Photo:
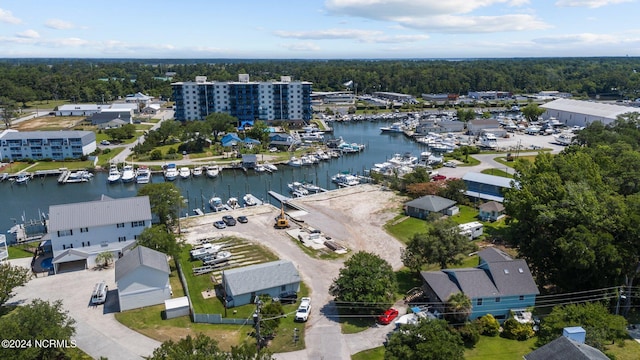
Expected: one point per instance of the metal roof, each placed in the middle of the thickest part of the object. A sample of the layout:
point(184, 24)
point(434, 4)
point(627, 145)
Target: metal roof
point(488, 179)
point(99, 213)
point(85, 136)
point(259, 277)
point(597, 109)
point(431, 203)
point(563, 348)
point(141, 256)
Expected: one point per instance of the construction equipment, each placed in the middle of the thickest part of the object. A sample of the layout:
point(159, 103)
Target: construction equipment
point(281, 220)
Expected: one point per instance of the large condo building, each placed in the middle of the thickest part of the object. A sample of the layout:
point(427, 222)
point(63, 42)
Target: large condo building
point(246, 100)
point(56, 145)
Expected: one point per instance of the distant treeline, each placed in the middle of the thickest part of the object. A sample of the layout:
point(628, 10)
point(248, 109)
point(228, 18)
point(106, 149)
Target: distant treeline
point(97, 80)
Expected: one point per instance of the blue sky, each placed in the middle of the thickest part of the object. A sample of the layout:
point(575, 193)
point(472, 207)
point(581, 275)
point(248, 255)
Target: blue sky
point(319, 29)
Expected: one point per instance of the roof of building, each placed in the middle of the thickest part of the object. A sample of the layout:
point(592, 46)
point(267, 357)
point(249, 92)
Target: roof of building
point(592, 108)
point(431, 203)
point(85, 136)
point(563, 348)
point(512, 277)
point(487, 179)
point(141, 256)
point(492, 206)
point(485, 122)
point(79, 107)
point(492, 254)
point(99, 213)
point(245, 280)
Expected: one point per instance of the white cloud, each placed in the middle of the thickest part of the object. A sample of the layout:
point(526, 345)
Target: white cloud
point(7, 17)
point(67, 42)
point(58, 24)
point(28, 34)
point(589, 3)
point(452, 16)
point(582, 39)
point(365, 36)
point(301, 46)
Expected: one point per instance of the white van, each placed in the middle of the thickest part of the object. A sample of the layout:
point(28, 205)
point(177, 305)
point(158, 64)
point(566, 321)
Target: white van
point(99, 295)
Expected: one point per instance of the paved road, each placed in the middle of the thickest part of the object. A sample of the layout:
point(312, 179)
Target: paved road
point(162, 115)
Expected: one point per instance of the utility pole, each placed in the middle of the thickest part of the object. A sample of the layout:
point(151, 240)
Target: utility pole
point(256, 319)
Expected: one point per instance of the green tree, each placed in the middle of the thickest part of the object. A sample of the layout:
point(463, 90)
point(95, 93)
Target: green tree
point(158, 238)
point(259, 131)
point(418, 175)
point(39, 320)
point(454, 189)
point(11, 277)
point(366, 282)
point(458, 307)
point(441, 244)
point(167, 129)
point(601, 326)
point(488, 325)
point(202, 347)
point(465, 115)
point(219, 122)
point(165, 200)
point(532, 111)
point(8, 111)
point(427, 340)
point(105, 258)
point(270, 316)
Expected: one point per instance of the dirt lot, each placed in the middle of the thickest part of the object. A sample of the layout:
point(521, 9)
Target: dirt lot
point(48, 123)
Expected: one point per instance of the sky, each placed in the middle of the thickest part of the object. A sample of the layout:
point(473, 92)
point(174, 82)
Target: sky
point(318, 29)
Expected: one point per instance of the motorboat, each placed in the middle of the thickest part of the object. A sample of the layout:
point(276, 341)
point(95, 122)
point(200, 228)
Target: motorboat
point(143, 175)
point(259, 168)
point(306, 160)
point(396, 127)
point(294, 161)
point(233, 203)
point(79, 176)
point(251, 200)
point(197, 171)
point(270, 166)
point(310, 187)
point(128, 174)
point(23, 178)
point(114, 174)
point(212, 170)
point(216, 204)
point(489, 141)
point(170, 172)
point(343, 179)
point(565, 138)
point(184, 172)
point(297, 187)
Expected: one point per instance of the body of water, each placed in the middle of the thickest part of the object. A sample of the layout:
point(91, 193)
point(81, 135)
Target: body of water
point(27, 202)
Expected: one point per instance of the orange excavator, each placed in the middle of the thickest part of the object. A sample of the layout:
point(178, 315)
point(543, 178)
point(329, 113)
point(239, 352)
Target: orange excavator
point(281, 220)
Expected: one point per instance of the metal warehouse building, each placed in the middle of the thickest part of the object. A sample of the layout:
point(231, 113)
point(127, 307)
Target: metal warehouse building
point(582, 113)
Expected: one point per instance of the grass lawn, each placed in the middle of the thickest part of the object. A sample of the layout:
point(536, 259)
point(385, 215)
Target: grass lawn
point(497, 172)
point(371, 354)
point(497, 348)
point(627, 350)
point(18, 252)
point(467, 214)
point(404, 227)
point(54, 165)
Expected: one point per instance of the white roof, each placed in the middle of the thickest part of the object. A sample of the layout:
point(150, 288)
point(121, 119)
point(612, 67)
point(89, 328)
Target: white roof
point(176, 303)
point(598, 109)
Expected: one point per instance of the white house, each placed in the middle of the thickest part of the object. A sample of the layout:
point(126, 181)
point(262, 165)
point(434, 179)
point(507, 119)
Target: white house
point(79, 109)
point(242, 285)
point(142, 276)
point(56, 145)
point(80, 231)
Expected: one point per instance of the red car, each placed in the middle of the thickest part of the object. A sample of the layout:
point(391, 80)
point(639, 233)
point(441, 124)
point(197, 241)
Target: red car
point(388, 316)
point(439, 177)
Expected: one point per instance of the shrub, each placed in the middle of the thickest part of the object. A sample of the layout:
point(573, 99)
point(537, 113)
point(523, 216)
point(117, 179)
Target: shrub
point(488, 325)
point(470, 334)
point(511, 329)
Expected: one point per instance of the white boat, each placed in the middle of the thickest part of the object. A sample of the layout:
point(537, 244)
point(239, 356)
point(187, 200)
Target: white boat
point(564, 138)
point(397, 127)
point(259, 168)
point(128, 174)
point(322, 155)
point(184, 172)
point(270, 166)
point(298, 193)
point(489, 141)
point(212, 170)
point(114, 174)
point(311, 188)
point(197, 171)
point(306, 160)
point(251, 200)
point(233, 203)
point(345, 179)
point(294, 161)
point(79, 176)
point(297, 187)
point(143, 175)
point(170, 172)
point(216, 204)
point(23, 178)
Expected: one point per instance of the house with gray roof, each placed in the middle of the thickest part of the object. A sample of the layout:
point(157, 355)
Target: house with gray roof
point(564, 348)
point(81, 231)
point(486, 187)
point(497, 286)
point(491, 211)
point(242, 285)
point(423, 206)
point(56, 145)
point(108, 116)
point(142, 276)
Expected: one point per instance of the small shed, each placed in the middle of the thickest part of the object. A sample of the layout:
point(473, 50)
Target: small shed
point(177, 307)
point(142, 276)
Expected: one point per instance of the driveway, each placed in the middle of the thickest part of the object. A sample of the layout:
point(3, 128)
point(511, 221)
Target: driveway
point(98, 333)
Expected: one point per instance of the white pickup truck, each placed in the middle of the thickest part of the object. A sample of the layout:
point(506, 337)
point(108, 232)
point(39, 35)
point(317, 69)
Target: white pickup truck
point(302, 314)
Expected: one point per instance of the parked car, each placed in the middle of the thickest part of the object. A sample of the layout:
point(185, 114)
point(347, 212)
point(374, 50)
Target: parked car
point(287, 297)
point(242, 219)
point(439, 177)
point(302, 314)
point(229, 220)
point(105, 142)
point(450, 164)
point(220, 224)
point(388, 316)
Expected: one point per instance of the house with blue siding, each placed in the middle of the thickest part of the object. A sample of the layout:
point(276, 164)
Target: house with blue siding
point(242, 285)
point(487, 187)
point(497, 286)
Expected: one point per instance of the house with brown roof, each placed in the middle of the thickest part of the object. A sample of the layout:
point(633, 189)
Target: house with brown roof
point(491, 211)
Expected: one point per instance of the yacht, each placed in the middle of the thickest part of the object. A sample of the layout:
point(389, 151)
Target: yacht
point(259, 168)
point(197, 171)
point(397, 127)
point(114, 174)
point(564, 138)
point(170, 172)
point(270, 166)
point(184, 172)
point(216, 204)
point(294, 161)
point(212, 170)
point(489, 141)
point(143, 175)
point(23, 178)
point(345, 179)
point(233, 203)
point(128, 174)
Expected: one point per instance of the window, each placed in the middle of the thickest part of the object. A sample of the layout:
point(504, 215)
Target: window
point(121, 225)
point(521, 298)
point(283, 288)
point(62, 233)
point(497, 299)
point(137, 223)
point(479, 302)
point(122, 238)
point(84, 230)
